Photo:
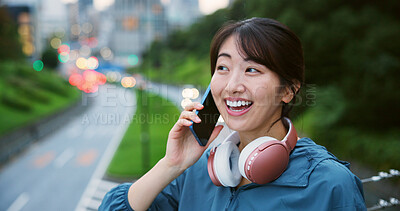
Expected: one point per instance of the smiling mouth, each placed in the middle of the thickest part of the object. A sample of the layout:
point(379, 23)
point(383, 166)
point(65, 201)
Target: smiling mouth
point(238, 106)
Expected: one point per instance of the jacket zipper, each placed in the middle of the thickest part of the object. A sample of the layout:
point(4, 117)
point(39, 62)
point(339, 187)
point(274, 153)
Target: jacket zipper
point(234, 194)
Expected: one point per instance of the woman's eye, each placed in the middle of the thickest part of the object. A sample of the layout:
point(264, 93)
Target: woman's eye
point(252, 70)
point(222, 68)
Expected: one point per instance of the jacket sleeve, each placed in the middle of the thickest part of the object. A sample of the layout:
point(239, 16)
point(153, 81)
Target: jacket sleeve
point(168, 199)
point(116, 199)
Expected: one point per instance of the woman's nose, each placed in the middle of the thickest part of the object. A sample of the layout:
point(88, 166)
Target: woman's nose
point(235, 84)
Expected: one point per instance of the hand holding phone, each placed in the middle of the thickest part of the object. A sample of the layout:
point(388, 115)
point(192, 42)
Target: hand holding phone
point(209, 116)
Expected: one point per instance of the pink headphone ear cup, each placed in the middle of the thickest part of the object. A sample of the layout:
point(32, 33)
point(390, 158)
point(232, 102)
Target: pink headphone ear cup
point(210, 168)
point(248, 150)
point(226, 164)
point(265, 160)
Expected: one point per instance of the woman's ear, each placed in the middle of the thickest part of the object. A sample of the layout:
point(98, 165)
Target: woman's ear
point(291, 91)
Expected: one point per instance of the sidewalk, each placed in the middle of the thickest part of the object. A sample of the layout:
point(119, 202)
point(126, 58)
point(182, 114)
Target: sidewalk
point(99, 185)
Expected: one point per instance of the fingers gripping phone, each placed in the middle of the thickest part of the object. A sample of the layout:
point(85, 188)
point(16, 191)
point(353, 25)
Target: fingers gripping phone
point(209, 116)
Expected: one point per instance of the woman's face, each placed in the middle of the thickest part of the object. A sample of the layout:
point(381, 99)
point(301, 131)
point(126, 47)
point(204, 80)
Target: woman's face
point(247, 94)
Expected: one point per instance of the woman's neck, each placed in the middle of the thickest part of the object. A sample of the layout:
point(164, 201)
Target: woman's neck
point(278, 131)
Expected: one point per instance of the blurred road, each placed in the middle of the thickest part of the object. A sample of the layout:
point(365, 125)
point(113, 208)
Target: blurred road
point(54, 173)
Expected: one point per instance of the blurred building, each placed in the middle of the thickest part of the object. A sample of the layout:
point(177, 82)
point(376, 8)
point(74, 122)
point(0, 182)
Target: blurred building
point(37, 21)
point(181, 13)
point(136, 24)
point(121, 33)
point(84, 7)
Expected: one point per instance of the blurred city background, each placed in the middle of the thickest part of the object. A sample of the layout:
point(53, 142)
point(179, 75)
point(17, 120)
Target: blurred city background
point(89, 89)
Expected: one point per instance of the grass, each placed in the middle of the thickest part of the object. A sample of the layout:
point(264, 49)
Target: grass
point(27, 95)
point(160, 116)
point(13, 118)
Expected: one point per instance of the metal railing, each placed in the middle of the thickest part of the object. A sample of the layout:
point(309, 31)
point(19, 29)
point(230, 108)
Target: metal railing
point(382, 203)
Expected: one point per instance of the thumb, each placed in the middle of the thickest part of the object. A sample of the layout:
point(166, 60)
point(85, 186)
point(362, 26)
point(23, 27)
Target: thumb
point(214, 134)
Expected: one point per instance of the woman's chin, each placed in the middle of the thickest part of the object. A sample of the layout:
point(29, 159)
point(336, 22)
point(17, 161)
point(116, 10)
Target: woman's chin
point(238, 126)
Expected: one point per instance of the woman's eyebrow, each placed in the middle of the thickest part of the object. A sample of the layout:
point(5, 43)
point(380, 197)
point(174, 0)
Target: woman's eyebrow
point(247, 59)
point(224, 54)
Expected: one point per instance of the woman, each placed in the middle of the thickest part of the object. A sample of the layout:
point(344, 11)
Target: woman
point(257, 69)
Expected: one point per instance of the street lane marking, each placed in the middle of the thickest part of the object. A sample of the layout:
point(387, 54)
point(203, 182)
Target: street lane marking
point(64, 157)
point(87, 158)
point(44, 159)
point(19, 203)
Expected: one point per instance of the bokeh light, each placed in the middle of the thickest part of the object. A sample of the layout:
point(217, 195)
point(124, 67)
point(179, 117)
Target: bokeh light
point(81, 63)
point(87, 28)
point(133, 59)
point(28, 48)
point(185, 102)
point(195, 93)
point(93, 42)
point(128, 82)
point(75, 79)
point(82, 39)
point(106, 53)
point(101, 78)
point(191, 93)
point(88, 81)
point(55, 43)
point(73, 55)
point(85, 50)
point(88, 87)
point(186, 93)
point(63, 57)
point(38, 65)
point(90, 76)
point(64, 48)
point(113, 76)
point(24, 30)
point(130, 23)
point(92, 63)
point(75, 29)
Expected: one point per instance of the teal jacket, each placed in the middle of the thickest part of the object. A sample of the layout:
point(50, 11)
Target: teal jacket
point(314, 180)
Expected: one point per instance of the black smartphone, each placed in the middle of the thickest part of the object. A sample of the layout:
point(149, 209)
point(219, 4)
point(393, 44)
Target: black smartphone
point(209, 116)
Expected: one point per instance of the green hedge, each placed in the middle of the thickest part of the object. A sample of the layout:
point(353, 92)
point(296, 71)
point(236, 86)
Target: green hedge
point(27, 95)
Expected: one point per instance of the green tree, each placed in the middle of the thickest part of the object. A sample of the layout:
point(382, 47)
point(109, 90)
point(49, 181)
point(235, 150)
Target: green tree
point(9, 43)
point(50, 58)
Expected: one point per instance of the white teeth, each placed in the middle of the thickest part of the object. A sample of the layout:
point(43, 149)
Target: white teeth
point(237, 110)
point(238, 103)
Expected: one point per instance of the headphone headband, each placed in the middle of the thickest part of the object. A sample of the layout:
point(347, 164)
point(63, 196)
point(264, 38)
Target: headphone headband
point(290, 139)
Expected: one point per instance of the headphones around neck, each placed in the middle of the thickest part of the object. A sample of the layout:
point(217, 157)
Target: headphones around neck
point(261, 161)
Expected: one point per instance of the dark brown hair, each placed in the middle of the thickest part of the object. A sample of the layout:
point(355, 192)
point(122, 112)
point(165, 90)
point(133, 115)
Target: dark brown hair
point(267, 42)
